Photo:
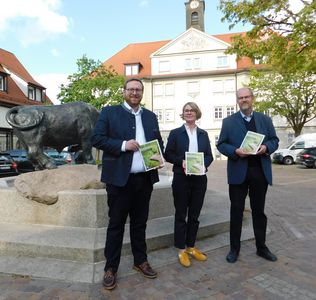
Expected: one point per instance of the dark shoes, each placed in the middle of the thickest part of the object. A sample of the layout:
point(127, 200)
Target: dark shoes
point(232, 256)
point(109, 279)
point(266, 254)
point(146, 270)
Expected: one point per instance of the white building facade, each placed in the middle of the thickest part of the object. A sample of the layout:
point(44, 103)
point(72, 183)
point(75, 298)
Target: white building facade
point(192, 67)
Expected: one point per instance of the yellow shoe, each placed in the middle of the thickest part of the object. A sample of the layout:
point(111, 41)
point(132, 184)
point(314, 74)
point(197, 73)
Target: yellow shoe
point(184, 259)
point(197, 254)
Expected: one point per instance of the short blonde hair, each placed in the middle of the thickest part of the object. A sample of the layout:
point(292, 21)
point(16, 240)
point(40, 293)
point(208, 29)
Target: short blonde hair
point(194, 107)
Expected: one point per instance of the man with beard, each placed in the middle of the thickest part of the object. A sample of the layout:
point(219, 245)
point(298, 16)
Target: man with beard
point(119, 132)
point(247, 174)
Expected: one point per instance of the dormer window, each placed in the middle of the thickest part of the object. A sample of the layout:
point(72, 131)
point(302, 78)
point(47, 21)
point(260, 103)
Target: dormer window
point(35, 93)
point(31, 93)
point(3, 79)
point(132, 69)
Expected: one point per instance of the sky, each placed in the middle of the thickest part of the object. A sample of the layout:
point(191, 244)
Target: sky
point(49, 36)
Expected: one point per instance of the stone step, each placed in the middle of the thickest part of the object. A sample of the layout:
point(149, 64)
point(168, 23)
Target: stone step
point(159, 231)
point(79, 271)
point(87, 244)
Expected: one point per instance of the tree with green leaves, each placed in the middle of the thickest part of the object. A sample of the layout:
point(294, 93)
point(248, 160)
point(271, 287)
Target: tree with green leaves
point(291, 96)
point(283, 39)
point(282, 36)
point(93, 83)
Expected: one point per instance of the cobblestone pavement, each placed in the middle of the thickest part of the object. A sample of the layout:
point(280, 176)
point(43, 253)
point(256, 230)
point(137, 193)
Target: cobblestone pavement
point(291, 212)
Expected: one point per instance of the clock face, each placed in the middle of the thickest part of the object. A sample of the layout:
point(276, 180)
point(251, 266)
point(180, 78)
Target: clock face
point(194, 4)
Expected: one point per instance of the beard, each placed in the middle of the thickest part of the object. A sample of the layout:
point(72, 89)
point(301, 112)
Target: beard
point(245, 107)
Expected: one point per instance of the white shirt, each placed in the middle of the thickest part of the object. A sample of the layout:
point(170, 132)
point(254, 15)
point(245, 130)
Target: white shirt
point(193, 143)
point(137, 163)
point(247, 118)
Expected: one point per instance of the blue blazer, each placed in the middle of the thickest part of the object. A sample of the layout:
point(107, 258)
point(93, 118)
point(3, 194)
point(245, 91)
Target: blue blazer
point(178, 144)
point(232, 134)
point(115, 125)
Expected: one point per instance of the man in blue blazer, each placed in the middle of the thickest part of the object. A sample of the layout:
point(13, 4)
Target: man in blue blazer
point(119, 132)
point(247, 174)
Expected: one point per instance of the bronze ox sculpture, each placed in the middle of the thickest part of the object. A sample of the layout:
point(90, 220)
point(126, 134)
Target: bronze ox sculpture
point(56, 126)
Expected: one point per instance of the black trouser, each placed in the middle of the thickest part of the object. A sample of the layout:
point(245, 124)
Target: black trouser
point(256, 185)
point(188, 195)
point(133, 200)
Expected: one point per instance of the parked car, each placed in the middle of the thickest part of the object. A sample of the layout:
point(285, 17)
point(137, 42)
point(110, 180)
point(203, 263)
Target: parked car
point(287, 156)
point(20, 157)
point(307, 157)
point(7, 166)
point(60, 158)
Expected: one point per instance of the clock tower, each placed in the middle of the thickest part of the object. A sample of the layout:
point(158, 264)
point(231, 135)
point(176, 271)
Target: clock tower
point(195, 14)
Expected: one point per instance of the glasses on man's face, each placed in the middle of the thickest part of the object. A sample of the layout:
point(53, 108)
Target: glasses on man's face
point(132, 91)
point(244, 97)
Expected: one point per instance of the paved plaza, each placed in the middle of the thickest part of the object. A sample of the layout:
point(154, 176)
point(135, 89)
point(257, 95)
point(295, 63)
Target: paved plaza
point(291, 211)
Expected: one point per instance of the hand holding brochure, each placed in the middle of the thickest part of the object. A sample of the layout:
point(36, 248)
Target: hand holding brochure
point(194, 163)
point(252, 142)
point(151, 155)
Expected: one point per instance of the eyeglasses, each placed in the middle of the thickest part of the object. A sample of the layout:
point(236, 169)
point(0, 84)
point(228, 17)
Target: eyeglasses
point(132, 91)
point(244, 97)
point(189, 111)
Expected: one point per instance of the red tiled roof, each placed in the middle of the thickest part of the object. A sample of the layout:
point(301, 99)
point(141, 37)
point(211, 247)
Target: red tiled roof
point(140, 53)
point(14, 95)
point(135, 53)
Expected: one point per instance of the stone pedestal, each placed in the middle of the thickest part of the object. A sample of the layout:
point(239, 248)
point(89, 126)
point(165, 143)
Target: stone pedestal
point(65, 240)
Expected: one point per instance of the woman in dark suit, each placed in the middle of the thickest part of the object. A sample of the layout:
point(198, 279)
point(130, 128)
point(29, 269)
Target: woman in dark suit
point(188, 190)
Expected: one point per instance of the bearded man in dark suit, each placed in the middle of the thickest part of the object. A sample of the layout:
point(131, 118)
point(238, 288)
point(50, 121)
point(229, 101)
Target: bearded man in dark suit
point(119, 132)
point(247, 174)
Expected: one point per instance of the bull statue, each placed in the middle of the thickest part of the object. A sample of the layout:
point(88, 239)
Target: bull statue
point(56, 126)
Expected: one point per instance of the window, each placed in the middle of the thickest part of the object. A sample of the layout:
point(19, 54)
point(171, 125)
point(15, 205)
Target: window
point(164, 66)
point(31, 93)
point(230, 110)
point(158, 90)
point(2, 86)
point(131, 69)
point(222, 61)
point(261, 60)
point(169, 89)
point(192, 63)
point(224, 86)
point(159, 114)
point(169, 115)
point(187, 64)
point(218, 113)
point(218, 86)
point(195, 18)
point(229, 86)
point(298, 145)
point(193, 87)
point(196, 63)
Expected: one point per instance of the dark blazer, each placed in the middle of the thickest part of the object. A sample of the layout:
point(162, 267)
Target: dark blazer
point(116, 124)
point(178, 144)
point(231, 136)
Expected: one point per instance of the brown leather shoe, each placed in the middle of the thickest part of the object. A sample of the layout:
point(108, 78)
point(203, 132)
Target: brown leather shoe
point(109, 279)
point(146, 270)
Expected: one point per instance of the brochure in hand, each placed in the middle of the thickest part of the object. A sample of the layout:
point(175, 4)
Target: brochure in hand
point(194, 163)
point(151, 155)
point(252, 141)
